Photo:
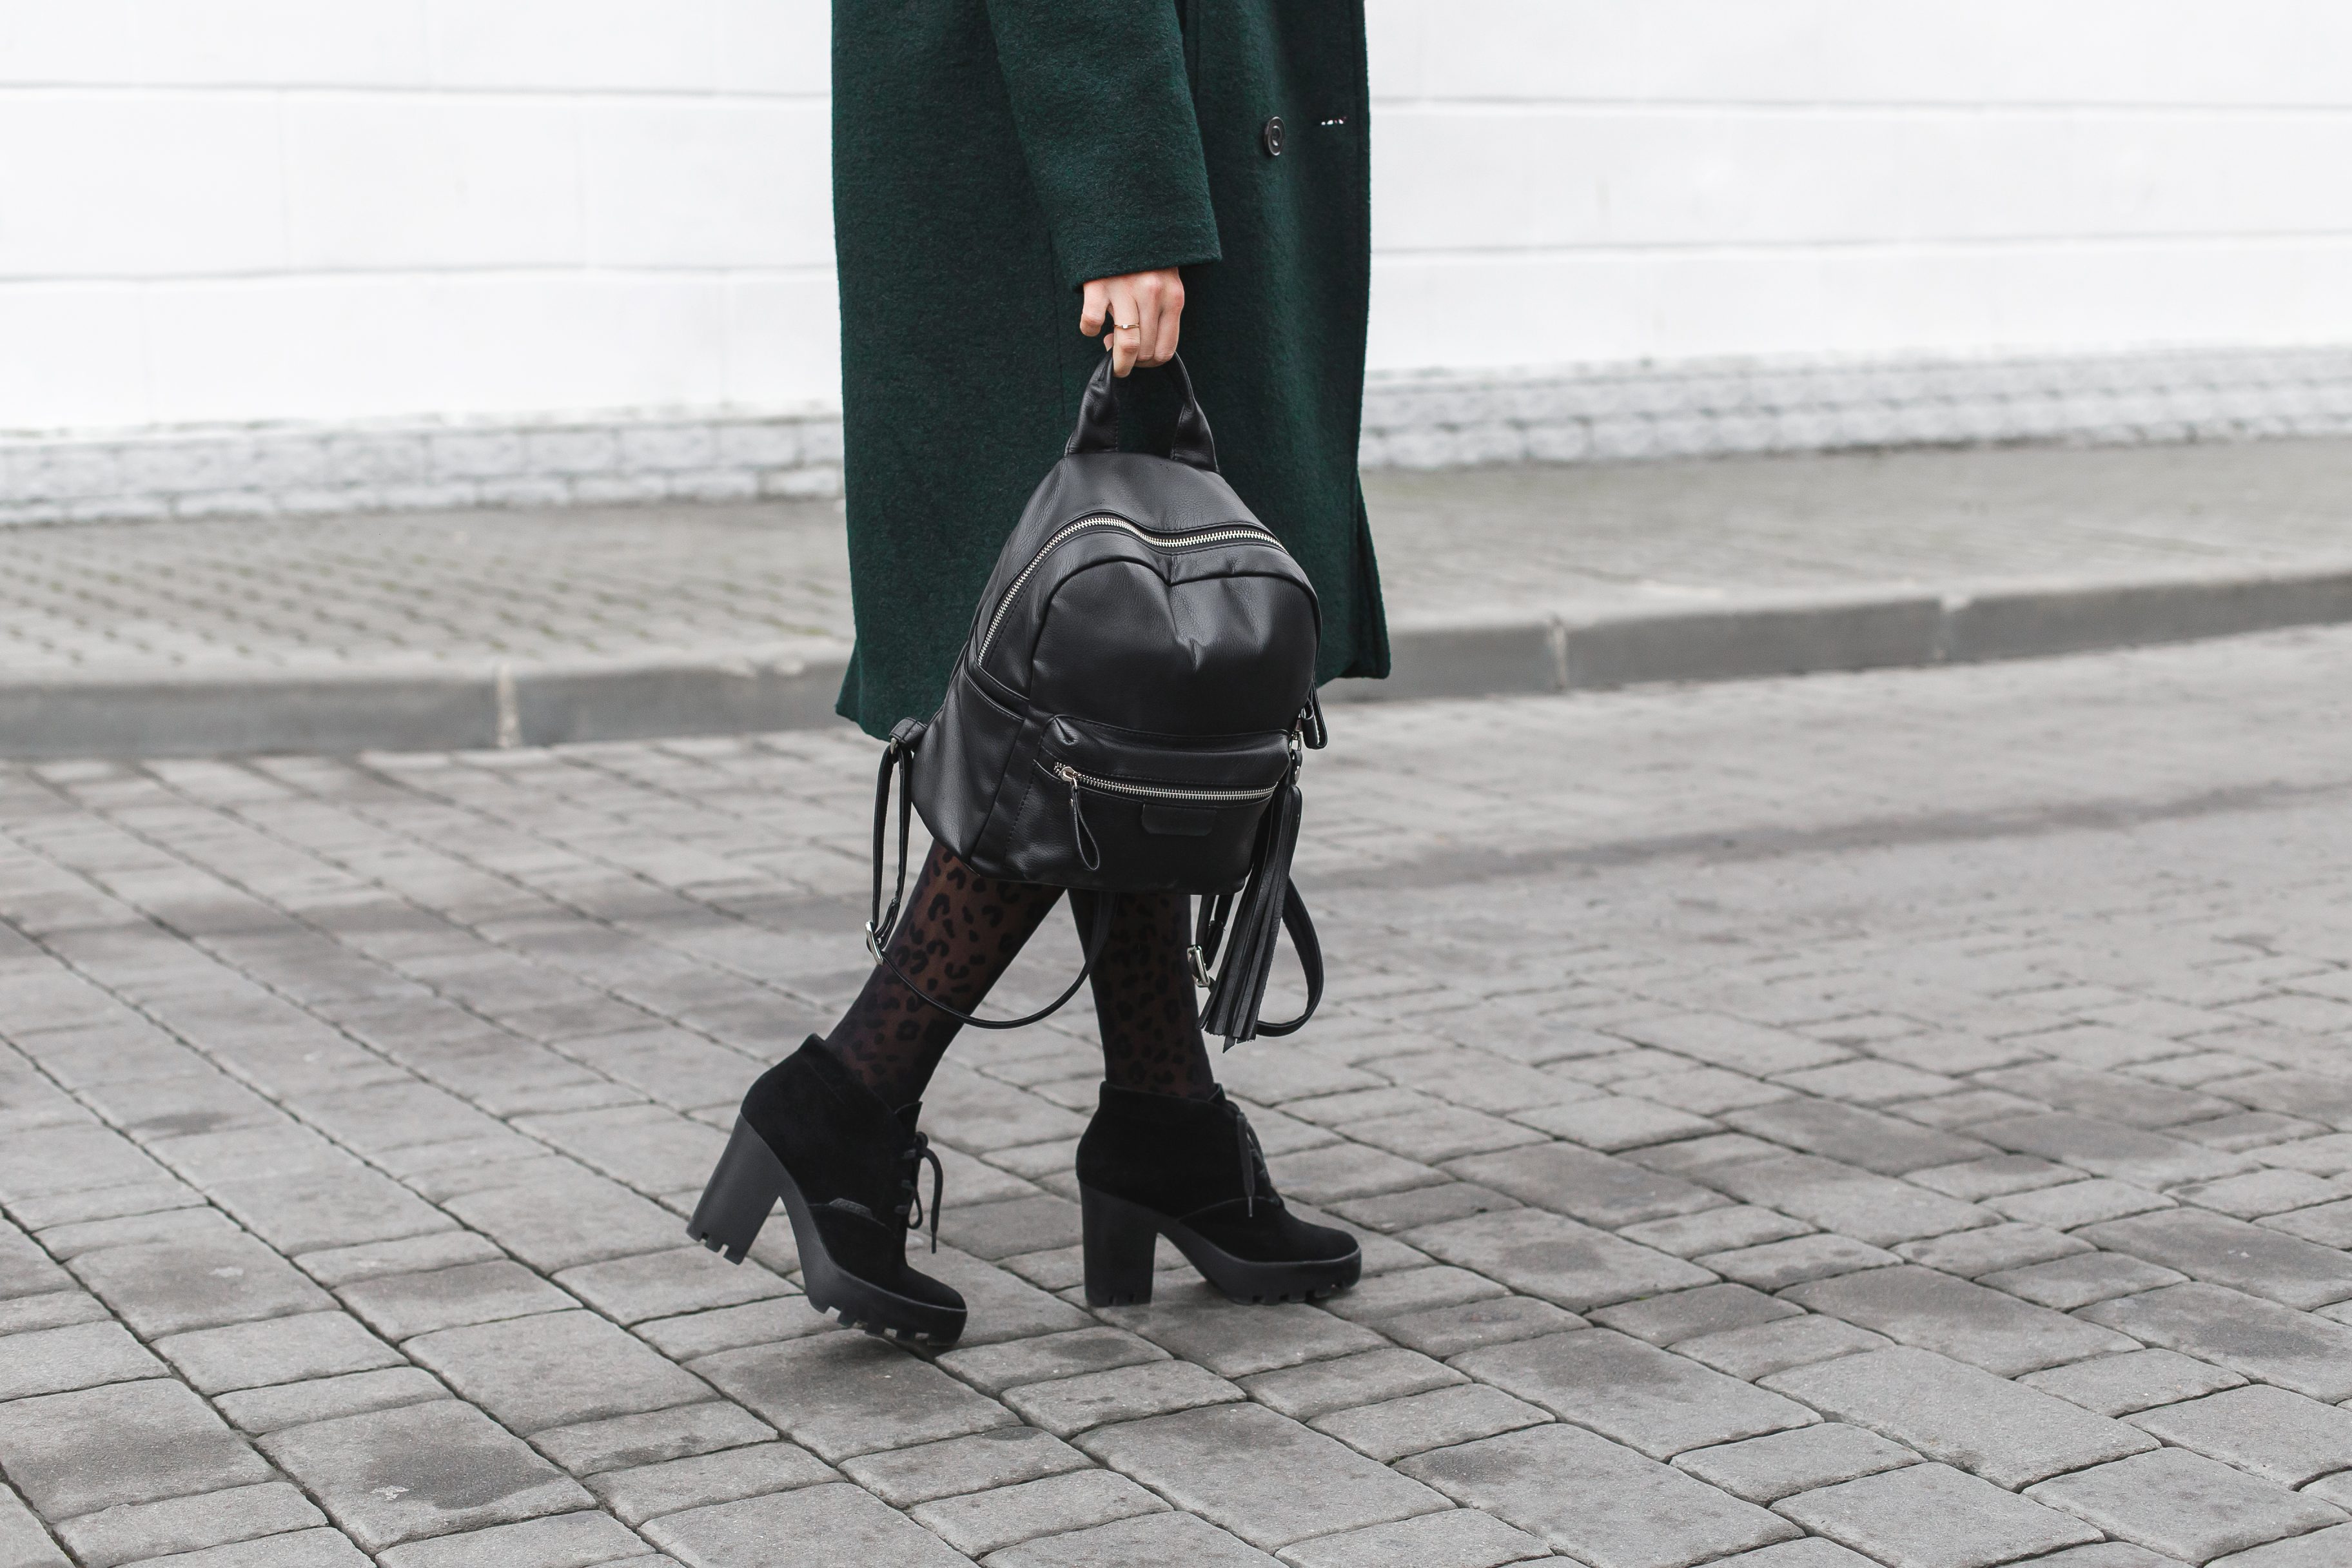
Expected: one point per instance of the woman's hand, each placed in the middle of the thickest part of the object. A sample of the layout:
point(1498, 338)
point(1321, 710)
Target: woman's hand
point(1142, 311)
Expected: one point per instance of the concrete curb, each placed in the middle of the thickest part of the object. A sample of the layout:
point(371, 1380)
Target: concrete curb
point(179, 715)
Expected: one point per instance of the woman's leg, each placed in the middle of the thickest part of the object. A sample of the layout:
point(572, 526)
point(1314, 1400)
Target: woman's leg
point(1144, 1003)
point(960, 931)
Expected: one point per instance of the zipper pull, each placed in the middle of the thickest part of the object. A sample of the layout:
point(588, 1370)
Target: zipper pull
point(1089, 852)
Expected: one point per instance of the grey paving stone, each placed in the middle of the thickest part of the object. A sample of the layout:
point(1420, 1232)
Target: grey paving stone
point(336, 1266)
point(1702, 1091)
point(274, 1351)
point(981, 1522)
point(664, 1284)
point(1440, 1133)
point(259, 1410)
point(2110, 1149)
point(1727, 1229)
point(841, 1395)
point(1765, 1348)
point(1070, 1406)
point(2106, 1555)
point(2109, 1096)
point(2329, 1225)
point(52, 1310)
point(1651, 1400)
point(2080, 1279)
point(1867, 1082)
point(2246, 1333)
point(2224, 1251)
point(1595, 1188)
point(1811, 1553)
point(401, 1306)
point(621, 1442)
point(1779, 1264)
point(2184, 1505)
point(1320, 1387)
point(992, 1369)
point(1853, 1136)
point(1544, 1255)
point(2136, 1380)
point(1264, 1477)
point(126, 1443)
point(1001, 1306)
point(1148, 1540)
point(178, 1223)
point(1392, 1211)
point(1686, 1314)
point(812, 1527)
point(1931, 1516)
point(1020, 1225)
point(1973, 1253)
point(1458, 1538)
point(1966, 1322)
point(1730, 1043)
point(555, 1370)
point(1394, 1429)
point(2259, 1192)
point(734, 1327)
point(2327, 1156)
point(1996, 1176)
point(1392, 1295)
point(39, 1161)
point(1000, 1457)
point(129, 1532)
point(54, 1360)
point(323, 1548)
point(2268, 1432)
point(1780, 1464)
point(346, 1204)
point(2321, 1549)
point(1544, 1481)
point(1616, 1123)
point(1870, 1208)
point(1444, 1331)
point(559, 1221)
point(1338, 1171)
point(2079, 1203)
point(24, 1544)
point(2008, 1434)
point(582, 1540)
point(229, 1279)
point(390, 1476)
point(1202, 1326)
point(672, 1486)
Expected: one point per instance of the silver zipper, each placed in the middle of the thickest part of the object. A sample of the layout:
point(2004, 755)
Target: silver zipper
point(1201, 536)
point(1075, 779)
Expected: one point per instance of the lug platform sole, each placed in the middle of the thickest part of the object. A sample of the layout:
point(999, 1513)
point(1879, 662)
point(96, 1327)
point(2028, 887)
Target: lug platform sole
point(1120, 1238)
point(741, 1193)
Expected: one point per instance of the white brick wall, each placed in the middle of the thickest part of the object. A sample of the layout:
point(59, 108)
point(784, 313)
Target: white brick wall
point(220, 212)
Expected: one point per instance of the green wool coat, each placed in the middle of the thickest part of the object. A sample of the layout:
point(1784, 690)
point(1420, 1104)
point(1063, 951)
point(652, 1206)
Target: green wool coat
point(990, 157)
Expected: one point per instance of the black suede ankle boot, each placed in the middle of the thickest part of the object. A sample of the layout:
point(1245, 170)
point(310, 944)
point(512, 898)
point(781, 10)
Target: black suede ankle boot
point(1190, 1170)
point(845, 1166)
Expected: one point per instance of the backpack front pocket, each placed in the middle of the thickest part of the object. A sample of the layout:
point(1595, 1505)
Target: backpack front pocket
point(1162, 812)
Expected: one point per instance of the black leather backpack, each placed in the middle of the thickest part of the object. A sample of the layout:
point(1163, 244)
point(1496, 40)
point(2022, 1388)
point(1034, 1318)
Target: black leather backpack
point(1129, 710)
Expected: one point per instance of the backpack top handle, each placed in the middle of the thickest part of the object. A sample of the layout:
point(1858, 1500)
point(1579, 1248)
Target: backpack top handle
point(1098, 428)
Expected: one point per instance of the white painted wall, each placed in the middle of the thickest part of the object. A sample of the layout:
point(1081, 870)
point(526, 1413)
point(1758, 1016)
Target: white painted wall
point(331, 210)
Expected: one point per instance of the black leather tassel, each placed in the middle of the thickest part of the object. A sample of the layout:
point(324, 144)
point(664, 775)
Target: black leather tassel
point(1256, 926)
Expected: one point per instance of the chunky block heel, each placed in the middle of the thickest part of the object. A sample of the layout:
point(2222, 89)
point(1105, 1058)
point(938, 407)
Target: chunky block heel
point(742, 1191)
point(1120, 1238)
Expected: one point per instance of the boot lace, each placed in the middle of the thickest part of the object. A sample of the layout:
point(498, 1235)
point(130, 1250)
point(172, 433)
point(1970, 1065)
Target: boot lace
point(1254, 1175)
point(912, 1210)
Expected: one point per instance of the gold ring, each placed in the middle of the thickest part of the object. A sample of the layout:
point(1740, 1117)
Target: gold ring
point(1125, 327)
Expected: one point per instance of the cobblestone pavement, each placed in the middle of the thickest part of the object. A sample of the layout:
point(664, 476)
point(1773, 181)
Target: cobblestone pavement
point(459, 589)
point(1899, 1119)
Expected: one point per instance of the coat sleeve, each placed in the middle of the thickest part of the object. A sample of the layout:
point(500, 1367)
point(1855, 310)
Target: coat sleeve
point(1104, 109)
